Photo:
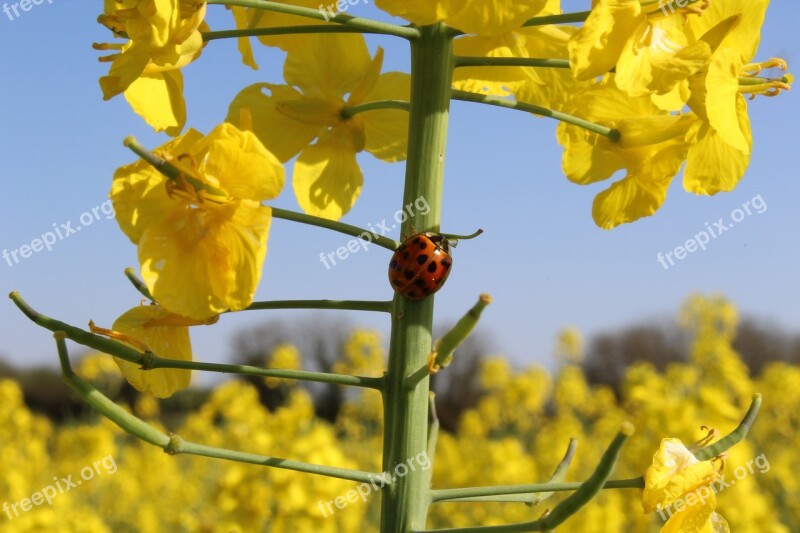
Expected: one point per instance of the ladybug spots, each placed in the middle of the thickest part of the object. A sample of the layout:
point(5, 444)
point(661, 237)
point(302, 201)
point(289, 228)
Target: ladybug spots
point(414, 270)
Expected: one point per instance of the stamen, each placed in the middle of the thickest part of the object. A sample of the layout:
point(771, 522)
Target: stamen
point(110, 333)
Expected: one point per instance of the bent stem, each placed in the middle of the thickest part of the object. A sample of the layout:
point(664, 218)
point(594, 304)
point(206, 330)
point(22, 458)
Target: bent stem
point(148, 360)
point(173, 444)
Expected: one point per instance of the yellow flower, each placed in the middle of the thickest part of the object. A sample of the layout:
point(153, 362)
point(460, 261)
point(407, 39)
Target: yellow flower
point(652, 149)
point(202, 238)
point(641, 40)
point(722, 139)
point(153, 328)
point(326, 178)
point(163, 36)
point(483, 17)
point(680, 487)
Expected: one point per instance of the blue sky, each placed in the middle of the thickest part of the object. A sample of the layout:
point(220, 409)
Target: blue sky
point(542, 258)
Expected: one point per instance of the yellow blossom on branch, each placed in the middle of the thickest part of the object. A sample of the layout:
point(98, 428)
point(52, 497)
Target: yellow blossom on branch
point(162, 36)
point(203, 237)
point(326, 77)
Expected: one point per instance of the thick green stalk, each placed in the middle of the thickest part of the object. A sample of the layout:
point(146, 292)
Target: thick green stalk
point(406, 407)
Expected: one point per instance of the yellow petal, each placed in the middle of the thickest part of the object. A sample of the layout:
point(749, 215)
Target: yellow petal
point(675, 471)
point(328, 66)
point(241, 164)
point(280, 134)
point(158, 99)
point(713, 164)
point(693, 518)
point(722, 86)
point(747, 34)
point(628, 200)
point(201, 262)
point(595, 48)
point(421, 12)
point(139, 193)
point(498, 81)
point(327, 179)
point(657, 57)
point(240, 16)
point(386, 130)
point(166, 341)
point(493, 17)
point(258, 18)
point(125, 69)
point(582, 162)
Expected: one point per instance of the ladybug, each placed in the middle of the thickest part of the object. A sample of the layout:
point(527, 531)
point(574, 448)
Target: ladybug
point(420, 265)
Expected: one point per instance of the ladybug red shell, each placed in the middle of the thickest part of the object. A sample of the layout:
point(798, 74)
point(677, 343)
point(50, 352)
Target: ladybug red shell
point(420, 266)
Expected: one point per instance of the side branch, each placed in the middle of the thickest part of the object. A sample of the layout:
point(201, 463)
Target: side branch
point(465, 96)
point(482, 61)
point(149, 360)
point(173, 444)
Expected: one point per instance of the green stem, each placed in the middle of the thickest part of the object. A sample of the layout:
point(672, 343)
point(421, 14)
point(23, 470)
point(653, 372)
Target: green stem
point(735, 436)
point(150, 360)
point(406, 32)
point(482, 61)
point(565, 18)
point(405, 503)
point(288, 30)
point(349, 112)
point(138, 284)
point(342, 305)
point(341, 227)
point(173, 444)
point(612, 134)
point(441, 495)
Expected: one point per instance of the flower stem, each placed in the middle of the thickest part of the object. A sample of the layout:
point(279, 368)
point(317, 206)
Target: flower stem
point(735, 436)
point(348, 112)
point(442, 495)
point(341, 227)
point(385, 28)
point(482, 61)
point(611, 133)
point(405, 503)
point(564, 18)
point(287, 30)
point(138, 284)
point(344, 305)
point(173, 444)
